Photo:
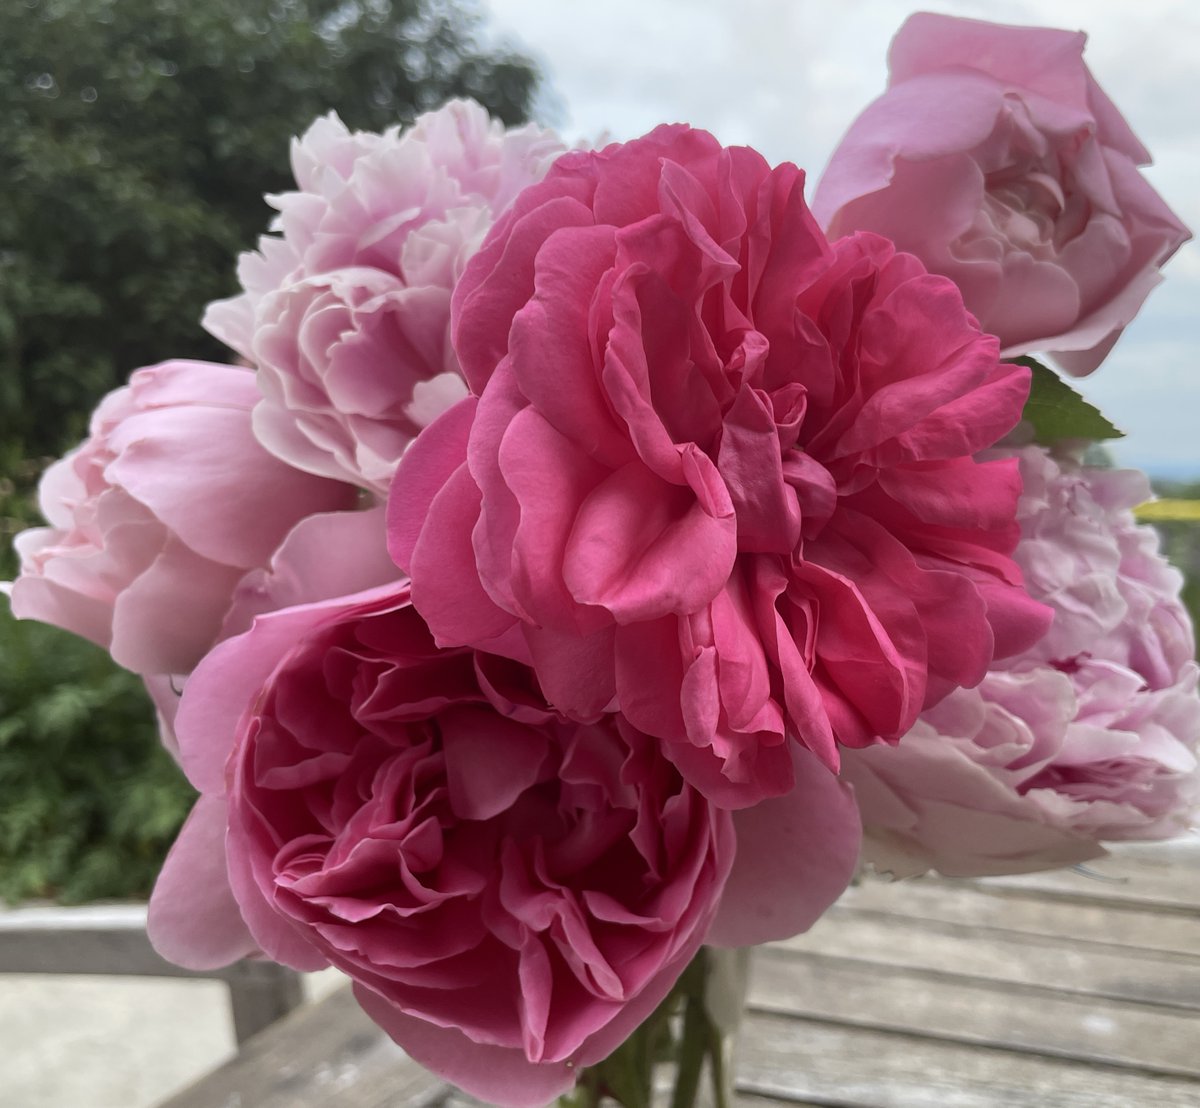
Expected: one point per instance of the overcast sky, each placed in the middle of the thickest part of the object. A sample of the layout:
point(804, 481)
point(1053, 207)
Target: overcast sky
point(788, 76)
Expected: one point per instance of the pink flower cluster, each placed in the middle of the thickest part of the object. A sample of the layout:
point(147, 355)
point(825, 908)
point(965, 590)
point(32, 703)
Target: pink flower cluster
point(1091, 735)
point(715, 470)
point(512, 891)
point(689, 508)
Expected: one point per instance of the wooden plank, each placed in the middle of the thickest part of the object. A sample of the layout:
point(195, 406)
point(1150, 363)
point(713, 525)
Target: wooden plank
point(106, 939)
point(988, 910)
point(325, 1055)
point(329, 1055)
point(111, 939)
point(258, 999)
point(1016, 1017)
point(818, 1063)
point(750, 1099)
point(99, 939)
point(1058, 963)
point(1164, 876)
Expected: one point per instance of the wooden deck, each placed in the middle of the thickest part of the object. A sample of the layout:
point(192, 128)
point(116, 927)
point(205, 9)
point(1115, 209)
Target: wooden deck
point(1052, 990)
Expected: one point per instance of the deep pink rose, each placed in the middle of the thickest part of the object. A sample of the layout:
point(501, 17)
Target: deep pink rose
point(1089, 736)
point(156, 518)
point(996, 158)
point(718, 470)
point(346, 314)
point(512, 892)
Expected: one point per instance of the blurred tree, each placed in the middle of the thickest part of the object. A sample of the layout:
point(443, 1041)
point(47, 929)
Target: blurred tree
point(91, 800)
point(137, 138)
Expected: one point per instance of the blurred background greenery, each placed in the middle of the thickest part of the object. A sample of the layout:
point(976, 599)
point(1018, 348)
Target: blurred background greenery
point(137, 139)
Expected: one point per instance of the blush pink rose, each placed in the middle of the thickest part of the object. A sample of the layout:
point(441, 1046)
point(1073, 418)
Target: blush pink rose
point(157, 517)
point(996, 158)
point(512, 892)
point(346, 313)
point(718, 471)
point(1089, 736)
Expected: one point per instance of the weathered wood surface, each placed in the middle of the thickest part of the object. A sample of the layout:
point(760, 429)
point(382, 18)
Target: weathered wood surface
point(1064, 990)
point(111, 939)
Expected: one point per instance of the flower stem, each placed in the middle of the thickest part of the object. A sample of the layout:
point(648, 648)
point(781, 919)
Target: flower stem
point(693, 1048)
point(682, 1033)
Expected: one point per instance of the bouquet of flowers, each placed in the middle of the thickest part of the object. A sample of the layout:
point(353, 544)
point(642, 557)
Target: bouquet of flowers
point(590, 558)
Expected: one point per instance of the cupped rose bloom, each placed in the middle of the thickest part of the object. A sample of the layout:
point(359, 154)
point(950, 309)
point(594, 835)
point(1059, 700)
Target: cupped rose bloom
point(512, 892)
point(718, 471)
point(996, 158)
point(157, 517)
point(346, 312)
point(1089, 736)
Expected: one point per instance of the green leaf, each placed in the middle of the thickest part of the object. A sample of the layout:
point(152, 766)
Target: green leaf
point(1058, 412)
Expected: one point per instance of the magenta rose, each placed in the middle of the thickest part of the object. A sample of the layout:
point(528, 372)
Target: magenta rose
point(996, 158)
point(157, 517)
point(1089, 736)
point(346, 313)
point(718, 471)
point(512, 892)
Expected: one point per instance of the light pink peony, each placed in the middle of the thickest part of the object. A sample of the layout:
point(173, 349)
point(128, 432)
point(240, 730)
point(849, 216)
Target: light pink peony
point(718, 471)
point(155, 519)
point(996, 158)
point(511, 892)
point(346, 314)
point(1091, 735)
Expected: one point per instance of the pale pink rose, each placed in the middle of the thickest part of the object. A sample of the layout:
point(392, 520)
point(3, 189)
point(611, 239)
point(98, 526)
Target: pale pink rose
point(1089, 736)
point(718, 471)
point(346, 314)
point(996, 158)
point(156, 518)
point(512, 892)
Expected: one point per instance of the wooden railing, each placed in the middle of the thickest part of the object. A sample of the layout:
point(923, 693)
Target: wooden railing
point(111, 939)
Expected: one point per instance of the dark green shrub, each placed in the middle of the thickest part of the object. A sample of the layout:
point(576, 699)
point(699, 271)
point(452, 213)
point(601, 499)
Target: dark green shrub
point(89, 800)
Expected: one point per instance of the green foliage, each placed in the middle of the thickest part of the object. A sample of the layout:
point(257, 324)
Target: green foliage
point(18, 502)
point(137, 139)
point(91, 800)
point(1058, 412)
